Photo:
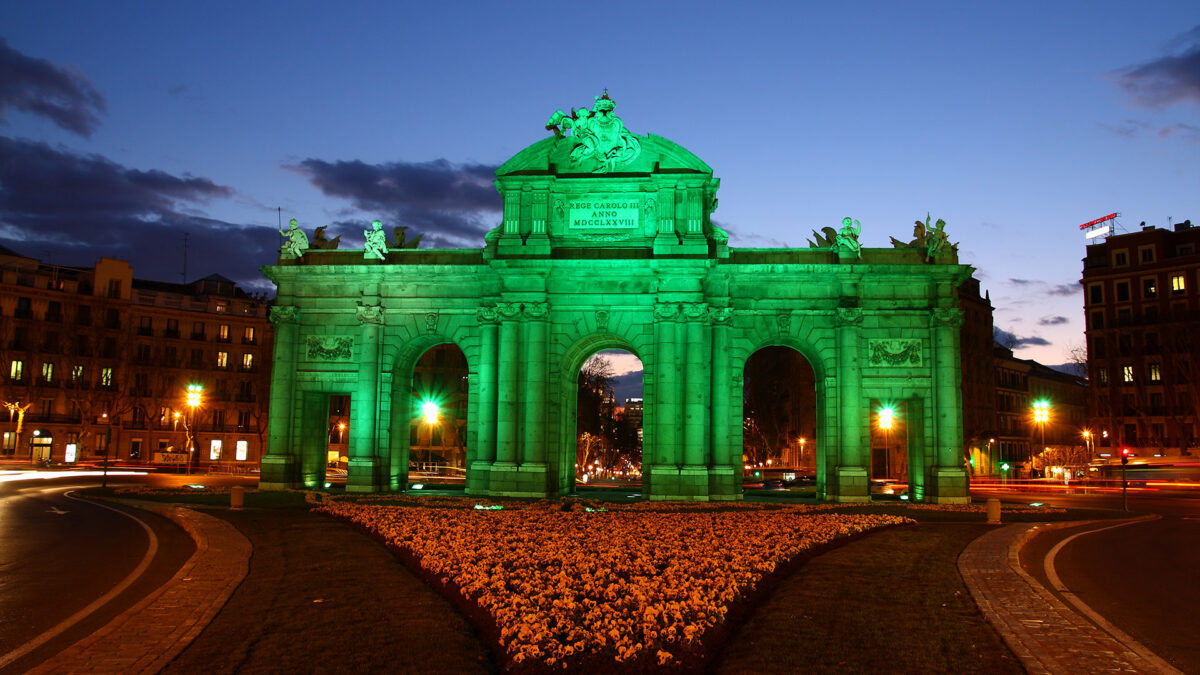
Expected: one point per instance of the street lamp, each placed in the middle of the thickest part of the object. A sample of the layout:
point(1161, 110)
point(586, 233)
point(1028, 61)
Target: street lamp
point(885, 423)
point(1041, 415)
point(195, 399)
point(1087, 442)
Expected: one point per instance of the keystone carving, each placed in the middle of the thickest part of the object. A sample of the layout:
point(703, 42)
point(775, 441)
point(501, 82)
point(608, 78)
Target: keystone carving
point(783, 322)
point(431, 321)
point(602, 319)
point(369, 314)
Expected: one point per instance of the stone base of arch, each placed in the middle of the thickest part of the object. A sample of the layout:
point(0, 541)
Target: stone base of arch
point(849, 484)
point(365, 474)
point(278, 472)
point(948, 485)
point(504, 479)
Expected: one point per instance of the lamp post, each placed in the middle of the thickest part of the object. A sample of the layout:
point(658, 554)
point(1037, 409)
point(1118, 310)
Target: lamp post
point(195, 398)
point(1041, 415)
point(885, 423)
point(107, 439)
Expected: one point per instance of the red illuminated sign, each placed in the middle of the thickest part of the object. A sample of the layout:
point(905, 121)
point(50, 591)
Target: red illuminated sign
point(1097, 221)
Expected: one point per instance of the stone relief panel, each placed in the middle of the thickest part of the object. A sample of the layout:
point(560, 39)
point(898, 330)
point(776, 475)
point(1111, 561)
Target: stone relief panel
point(894, 353)
point(332, 348)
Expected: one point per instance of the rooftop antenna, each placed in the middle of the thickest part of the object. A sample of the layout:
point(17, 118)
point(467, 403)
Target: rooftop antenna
point(185, 247)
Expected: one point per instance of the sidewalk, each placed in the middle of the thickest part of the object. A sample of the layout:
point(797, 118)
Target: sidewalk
point(1040, 629)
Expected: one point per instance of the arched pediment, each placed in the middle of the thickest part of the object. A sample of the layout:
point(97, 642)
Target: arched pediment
point(553, 156)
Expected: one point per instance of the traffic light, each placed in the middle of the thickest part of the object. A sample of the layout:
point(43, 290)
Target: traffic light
point(1124, 455)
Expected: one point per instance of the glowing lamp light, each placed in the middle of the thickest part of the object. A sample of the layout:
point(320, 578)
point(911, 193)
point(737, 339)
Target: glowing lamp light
point(885, 417)
point(194, 394)
point(1041, 411)
point(430, 410)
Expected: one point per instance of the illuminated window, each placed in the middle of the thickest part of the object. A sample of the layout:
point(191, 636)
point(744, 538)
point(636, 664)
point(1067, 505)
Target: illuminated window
point(106, 377)
point(1127, 374)
point(1102, 376)
point(1150, 288)
point(222, 359)
point(242, 448)
point(249, 335)
point(48, 372)
point(223, 332)
point(1154, 372)
point(1178, 285)
point(16, 371)
point(76, 373)
point(214, 449)
point(247, 361)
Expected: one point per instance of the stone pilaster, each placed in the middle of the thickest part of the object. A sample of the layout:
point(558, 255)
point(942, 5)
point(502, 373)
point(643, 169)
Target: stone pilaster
point(725, 473)
point(278, 467)
point(507, 414)
point(850, 480)
point(363, 474)
point(947, 482)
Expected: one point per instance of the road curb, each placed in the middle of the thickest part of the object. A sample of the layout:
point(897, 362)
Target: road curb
point(147, 636)
point(1042, 631)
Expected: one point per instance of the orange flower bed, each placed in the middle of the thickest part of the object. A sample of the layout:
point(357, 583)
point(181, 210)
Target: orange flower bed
point(569, 587)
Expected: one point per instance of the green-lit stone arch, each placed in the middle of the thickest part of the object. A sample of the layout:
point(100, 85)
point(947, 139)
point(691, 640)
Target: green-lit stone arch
point(565, 399)
point(615, 247)
point(403, 360)
point(821, 362)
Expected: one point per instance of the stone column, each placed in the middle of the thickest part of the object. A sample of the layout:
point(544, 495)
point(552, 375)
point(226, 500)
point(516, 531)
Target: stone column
point(507, 387)
point(534, 421)
point(362, 474)
point(724, 480)
point(698, 387)
point(278, 466)
point(851, 480)
point(948, 477)
point(482, 412)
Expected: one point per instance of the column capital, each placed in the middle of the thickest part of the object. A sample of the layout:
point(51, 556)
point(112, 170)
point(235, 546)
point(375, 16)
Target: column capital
point(536, 310)
point(666, 310)
point(285, 314)
point(849, 316)
point(721, 315)
point(946, 316)
point(487, 315)
point(508, 310)
point(695, 311)
point(369, 314)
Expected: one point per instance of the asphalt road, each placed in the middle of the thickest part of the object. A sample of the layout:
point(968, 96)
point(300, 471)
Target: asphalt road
point(60, 555)
point(1140, 577)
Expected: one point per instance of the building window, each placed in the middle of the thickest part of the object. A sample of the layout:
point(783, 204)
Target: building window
point(135, 449)
point(145, 326)
point(243, 419)
point(1150, 288)
point(1127, 374)
point(1184, 249)
point(143, 353)
point(1122, 291)
point(1120, 259)
point(1102, 376)
point(76, 373)
point(1151, 343)
point(248, 337)
point(1098, 319)
point(223, 332)
point(1096, 294)
point(1098, 348)
point(218, 420)
point(172, 328)
point(247, 361)
point(222, 360)
point(1146, 254)
point(106, 377)
point(16, 370)
point(1156, 431)
point(114, 288)
point(242, 448)
point(1151, 314)
point(1154, 372)
point(48, 372)
point(1178, 284)
point(214, 449)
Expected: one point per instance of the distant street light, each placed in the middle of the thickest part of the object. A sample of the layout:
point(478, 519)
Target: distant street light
point(1041, 415)
point(195, 399)
point(430, 410)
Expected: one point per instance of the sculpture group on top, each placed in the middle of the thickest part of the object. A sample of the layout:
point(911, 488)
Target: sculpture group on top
point(375, 244)
point(932, 238)
point(598, 134)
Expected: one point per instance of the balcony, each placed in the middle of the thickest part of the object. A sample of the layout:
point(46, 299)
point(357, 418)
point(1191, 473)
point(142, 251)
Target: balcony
point(249, 341)
point(245, 398)
point(171, 333)
point(198, 336)
point(146, 332)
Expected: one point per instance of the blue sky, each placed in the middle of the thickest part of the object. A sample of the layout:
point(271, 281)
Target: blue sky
point(125, 124)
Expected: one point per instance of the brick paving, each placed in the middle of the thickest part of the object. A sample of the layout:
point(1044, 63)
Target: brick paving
point(1039, 628)
point(150, 634)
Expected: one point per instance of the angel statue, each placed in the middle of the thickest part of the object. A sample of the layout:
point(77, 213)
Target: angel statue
point(376, 243)
point(296, 243)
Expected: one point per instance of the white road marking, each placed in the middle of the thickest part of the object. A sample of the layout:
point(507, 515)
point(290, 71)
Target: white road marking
point(57, 511)
point(1116, 633)
point(82, 614)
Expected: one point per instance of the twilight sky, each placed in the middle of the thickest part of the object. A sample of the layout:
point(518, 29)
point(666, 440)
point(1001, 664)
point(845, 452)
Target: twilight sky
point(124, 125)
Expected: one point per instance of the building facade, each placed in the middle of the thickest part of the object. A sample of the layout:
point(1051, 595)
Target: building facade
point(1142, 306)
point(98, 362)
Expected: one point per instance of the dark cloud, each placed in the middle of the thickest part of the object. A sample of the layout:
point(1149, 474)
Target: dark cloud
point(38, 87)
point(1166, 80)
point(452, 204)
point(1012, 341)
point(1187, 132)
point(72, 209)
point(1021, 282)
point(1064, 289)
point(1053, 320)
